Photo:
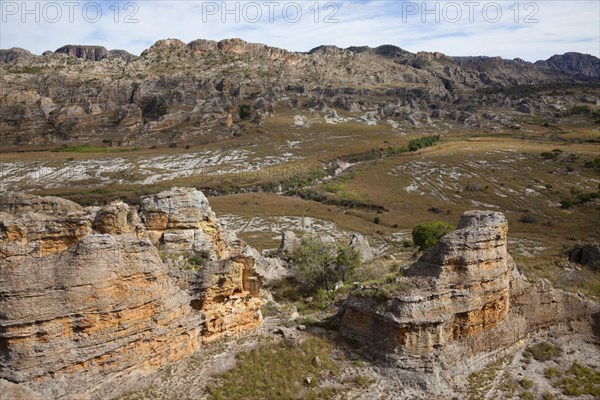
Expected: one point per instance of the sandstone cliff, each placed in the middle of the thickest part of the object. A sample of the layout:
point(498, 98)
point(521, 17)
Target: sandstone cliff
point(92, 295)
point(462, 304)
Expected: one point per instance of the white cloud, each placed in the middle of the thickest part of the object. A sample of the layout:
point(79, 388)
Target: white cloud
point(562, 25)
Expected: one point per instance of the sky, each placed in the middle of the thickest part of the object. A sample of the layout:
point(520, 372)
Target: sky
point(531, 30)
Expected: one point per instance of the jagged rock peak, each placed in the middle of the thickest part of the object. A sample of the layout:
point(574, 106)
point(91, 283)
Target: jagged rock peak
point(200, 46)
point(92, 53)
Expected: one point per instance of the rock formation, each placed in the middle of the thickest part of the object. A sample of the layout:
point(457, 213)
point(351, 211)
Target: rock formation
point(586, 254)
point(92, 53)
point(361, 245)
point(91, 295)
point(14, 54)
point(462, 304)
point(572, 63)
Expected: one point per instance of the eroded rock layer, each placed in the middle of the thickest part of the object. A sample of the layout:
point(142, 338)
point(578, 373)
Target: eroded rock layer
point(463, 302)
point(90, 294)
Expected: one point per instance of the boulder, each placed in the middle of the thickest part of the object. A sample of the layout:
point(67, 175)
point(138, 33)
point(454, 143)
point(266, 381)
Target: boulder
point(270, 268)
point(113, 219)
point(289, 243)
point(524, 108)
point(178, 208)
point(586, 254)
point(361, 245)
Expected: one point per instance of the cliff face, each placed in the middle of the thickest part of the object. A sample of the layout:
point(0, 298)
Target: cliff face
point(86, 298)
point(467, 303)
point(92, 53)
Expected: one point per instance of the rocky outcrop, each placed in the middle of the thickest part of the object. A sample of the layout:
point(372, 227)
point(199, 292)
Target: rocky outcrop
point(361, 245)
point(289, 243)
point(92, 53)
point(14, 54)
point(92, 295)
point(586, 254)
point(181, 221)
point(462, 303)
point(122, 54)
point(576, 64)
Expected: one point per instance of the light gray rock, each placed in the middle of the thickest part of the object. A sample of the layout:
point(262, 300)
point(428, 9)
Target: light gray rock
point(289, 243)
point(270, 268)
point(13, 391)
point(361, 245)
point(183, 208)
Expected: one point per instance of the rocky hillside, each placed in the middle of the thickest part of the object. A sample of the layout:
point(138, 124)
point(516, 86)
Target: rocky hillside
point(86, 93)
point(91, 296)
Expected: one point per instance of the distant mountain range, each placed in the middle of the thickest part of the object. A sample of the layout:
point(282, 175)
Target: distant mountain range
point(203, 84)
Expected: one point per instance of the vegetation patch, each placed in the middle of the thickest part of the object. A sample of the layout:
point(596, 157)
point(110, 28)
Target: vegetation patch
point(579, 380)
point(579, 197)
point(320, 264)
point(91, 149)
point(427, 234)
point(390, 151)
point(481, 382)
point(278, 372)
point(593, 164)
point(543, 351)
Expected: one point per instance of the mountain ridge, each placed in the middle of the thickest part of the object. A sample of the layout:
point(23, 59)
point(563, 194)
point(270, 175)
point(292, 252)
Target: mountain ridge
point(555, 61)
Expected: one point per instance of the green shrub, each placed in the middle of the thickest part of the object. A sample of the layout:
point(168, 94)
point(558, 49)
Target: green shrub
point(593, 164)
point(427, 234)
point(245, 112)
point(197, 260)
point(527, 384)
point(527, 396)
point(551, 373)
point(580, 380)
point(579, 197)
point(527, 219)
point(543, 351)
point(320, 264)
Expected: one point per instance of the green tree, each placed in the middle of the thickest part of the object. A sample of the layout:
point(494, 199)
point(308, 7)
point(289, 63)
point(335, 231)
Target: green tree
point(427, 234)
point(245, 112)
point(321, 263)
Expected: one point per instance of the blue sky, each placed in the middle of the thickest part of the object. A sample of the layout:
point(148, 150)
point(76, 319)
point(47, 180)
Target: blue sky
point(530, 30)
